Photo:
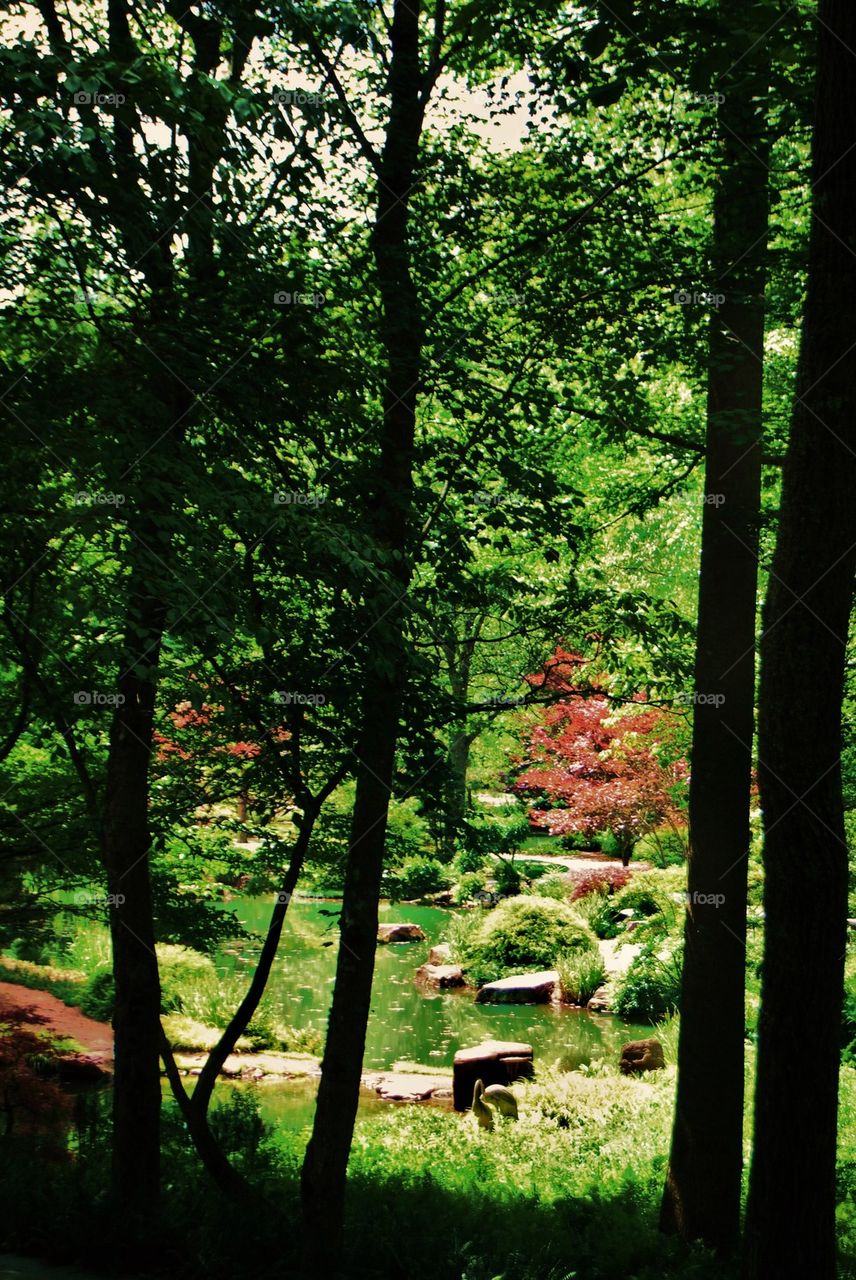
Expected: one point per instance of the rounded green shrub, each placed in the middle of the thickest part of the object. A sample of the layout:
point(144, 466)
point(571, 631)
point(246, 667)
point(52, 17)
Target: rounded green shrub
point(182, 970)
point(417, 876)
point(525, 932)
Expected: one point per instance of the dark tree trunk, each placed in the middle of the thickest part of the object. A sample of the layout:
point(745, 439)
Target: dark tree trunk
point(701, 1198)
point(790, 1229)
point(126, 843)
point(326, 1162)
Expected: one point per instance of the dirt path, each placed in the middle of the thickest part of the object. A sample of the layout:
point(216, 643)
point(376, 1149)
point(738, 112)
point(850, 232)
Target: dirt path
point(46, 1011)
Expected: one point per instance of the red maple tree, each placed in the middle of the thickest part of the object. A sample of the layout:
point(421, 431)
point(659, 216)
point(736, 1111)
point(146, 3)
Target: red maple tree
point(596, 767)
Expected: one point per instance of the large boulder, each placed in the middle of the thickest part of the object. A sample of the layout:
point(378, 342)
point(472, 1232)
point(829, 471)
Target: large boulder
point(399, 933)
point(440, 976)
point(493, 1062)
point(641, 1055)
point(524, 988)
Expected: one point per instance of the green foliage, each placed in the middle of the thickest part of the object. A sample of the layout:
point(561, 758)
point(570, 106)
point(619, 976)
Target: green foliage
point(664, 847)
point(417, 876)
point(651, 988)
point(521, 933)
point(98, 995)
point(470, 887)
point(581, 975)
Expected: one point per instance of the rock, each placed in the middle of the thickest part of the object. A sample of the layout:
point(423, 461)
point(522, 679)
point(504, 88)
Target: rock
point(399, 933)
point(525, 988)
point(410, 1087)
point(493, 1062)
point(441, 976)
point(441, 954)
point(641, 1055)
point(600, 1002)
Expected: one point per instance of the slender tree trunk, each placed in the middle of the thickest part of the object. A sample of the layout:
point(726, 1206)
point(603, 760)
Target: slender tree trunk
point(126, 842)
point(701, 1198)
point(325, 1165)
point(790, 1229)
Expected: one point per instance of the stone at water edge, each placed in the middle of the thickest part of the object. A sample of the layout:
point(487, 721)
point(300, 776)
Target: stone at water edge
point(399, 933)
point(441, 976)
point(641, 1055)
point(524, 988)
point(493, 1062)
point(600, 1002)
point(409, 1086)
point(440, 954)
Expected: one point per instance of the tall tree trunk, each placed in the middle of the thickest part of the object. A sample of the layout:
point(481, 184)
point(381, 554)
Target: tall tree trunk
point(326, 1161)
point(701, 1198)
point(126, 842)
point(790, 1228)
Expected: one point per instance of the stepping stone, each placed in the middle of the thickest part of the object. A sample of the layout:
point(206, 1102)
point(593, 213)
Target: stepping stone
point(409, 1087)
point(399, 933)
point(525, 988)
point(441, 976)
point(493, 1062)
point(641, 1055)
point(441, 954)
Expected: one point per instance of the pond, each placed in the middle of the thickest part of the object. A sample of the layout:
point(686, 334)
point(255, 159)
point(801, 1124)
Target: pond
point(406, 1023)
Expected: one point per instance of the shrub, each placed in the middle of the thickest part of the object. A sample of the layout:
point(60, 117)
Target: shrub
point(665, 847)
point(181, 970)
point(599, 914)
point(98, 995)
point(471, 887)
point(604, 880)
point(554, 885)
point(417, 876)
point(524, 933)
point(651, 988)
point(508, 878)
point(581, 974)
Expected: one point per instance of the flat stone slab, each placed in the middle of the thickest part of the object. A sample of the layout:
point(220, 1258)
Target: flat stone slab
point(397, 1086)
point(524, 988)
point(441, 976)
point(399, 933)
point(492, 1062)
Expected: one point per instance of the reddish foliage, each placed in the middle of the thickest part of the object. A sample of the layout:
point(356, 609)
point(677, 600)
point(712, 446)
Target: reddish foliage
point(23, 1086)
point(606, 880)
point(601, 768)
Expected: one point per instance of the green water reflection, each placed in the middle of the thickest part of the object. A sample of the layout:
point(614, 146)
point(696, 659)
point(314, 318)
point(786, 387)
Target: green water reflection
point(407, 1023)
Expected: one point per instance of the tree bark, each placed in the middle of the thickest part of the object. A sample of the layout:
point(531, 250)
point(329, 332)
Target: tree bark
point(790, 1230)
point(326, 1161)
point(126, 842)
point(701, 1199)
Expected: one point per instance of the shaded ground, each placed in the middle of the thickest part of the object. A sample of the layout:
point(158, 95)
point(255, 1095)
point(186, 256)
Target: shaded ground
point(12, 1267)
point(49, 1013)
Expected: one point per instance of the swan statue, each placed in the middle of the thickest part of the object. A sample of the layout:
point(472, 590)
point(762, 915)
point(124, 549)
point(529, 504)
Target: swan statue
point(481, 1110)
point(503, 1099)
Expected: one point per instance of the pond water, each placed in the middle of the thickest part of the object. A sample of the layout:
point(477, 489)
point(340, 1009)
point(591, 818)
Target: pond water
point(406, 1023)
